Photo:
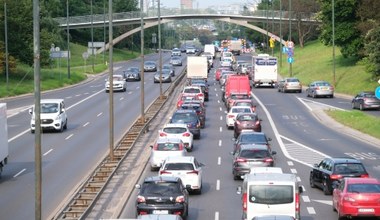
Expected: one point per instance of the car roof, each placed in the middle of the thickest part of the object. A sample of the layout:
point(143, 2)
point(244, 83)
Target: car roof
point(344, 160)
point(240, 107)
point(248, 132)
point(354, 180)
point(254, 146)
point(51, 100)
point(182, 159)
point(175, 125)
point(162, 178)
point(168, 140)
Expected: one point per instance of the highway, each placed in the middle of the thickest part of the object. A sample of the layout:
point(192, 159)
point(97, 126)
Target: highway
point(299, 138)
point(70, 156)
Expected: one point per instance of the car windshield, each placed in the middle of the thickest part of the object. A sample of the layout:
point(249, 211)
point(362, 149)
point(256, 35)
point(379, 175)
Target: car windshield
point(184, 118)
point(168, 146)
point(174, 130)
point(149, 63)
point(253, 138)
point(254, 153)
point(133, 69)
point(49, 108)
point(160, 188)
point(363, 188)
point(179, 166)
point(369, 95)
point(117, 78)
point(349, 168)
point(195, 107)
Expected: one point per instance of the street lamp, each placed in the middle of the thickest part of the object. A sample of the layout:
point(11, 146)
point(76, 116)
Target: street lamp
point(333, 39)
point(159, 46)
point(68, 39)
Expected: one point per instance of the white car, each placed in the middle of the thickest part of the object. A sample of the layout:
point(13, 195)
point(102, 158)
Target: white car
point(234, 111)
point(53, 115)
point(180, 131)
point(119, 83)
point(187, 168)
point(163, 148)
point(194, 91)
point(226, 62)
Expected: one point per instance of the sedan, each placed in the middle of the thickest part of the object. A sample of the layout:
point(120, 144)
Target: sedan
point(180, 131)
point(251, 155)
point(150, 66)
point(354, 197)
point(119, 84)
point(251, 137)
point(165, 76)
point(176, 61)
point(132, 73)
point(365, 100)
point(170, 68)
point(289, 85)
point(246, 121)
point(234, 111)
point(319, 89)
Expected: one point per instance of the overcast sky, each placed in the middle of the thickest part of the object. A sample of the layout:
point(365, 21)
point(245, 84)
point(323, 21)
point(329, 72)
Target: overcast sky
point(201, 3)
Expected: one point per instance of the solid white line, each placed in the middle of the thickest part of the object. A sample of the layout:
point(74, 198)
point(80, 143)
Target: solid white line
point(311, 210)
point(216, 95)
point(216, 215)
point(293, 170)
point(87, 123)
point(218, 101)
point(99, 114)
point(290, 163)
point(220, 143)
point(19, 173)
point(68, 137)
point(219, 161)
point(298, 179)
point(217, 185)
point(47, 152)
point(303, 101)
point(305, 198)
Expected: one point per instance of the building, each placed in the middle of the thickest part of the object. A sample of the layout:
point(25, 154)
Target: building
point(186, 4)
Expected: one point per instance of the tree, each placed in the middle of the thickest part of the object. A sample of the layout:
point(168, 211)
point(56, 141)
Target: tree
point(372, 47)
point(347, 35)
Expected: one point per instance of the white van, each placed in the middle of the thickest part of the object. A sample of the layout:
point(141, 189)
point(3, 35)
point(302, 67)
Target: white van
point(270, 194)
point(53, 115)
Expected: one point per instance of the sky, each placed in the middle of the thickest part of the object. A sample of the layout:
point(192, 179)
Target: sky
point(201, 3)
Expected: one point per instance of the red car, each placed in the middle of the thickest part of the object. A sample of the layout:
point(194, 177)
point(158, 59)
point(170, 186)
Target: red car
point(218, 72)
point(246, 121)
point(185, 97)
point(354, 197)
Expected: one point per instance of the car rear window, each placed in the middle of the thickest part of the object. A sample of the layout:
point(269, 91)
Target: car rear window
point(254, 153)
point(179, 166)
point(241, 110)
point(243, 104)
point(184, 118)
point(195, 107)
point(271, 194)
point(192, 90)
point(168, 146)
point(160, 188)
point(363, 188)
point(174, 130)
point(253, 138)
point(348, 168)
point(247, 118)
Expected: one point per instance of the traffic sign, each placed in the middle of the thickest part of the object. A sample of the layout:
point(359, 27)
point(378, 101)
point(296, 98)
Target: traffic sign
point(290, 44)
point(377, 92)
point(290, 59)
point(284, 50)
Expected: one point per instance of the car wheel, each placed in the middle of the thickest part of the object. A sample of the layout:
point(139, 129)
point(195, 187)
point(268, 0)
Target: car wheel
point(107, 91)
point(61, 128)
point(325, 188)
point(153, 168)
point(278, 90)
point(65, 126)
point(31, 131)
point(314, 95)
point(361, 107)
point(352, 105)
point(307, 94)
point(236, 177)
point(311, 181)
point(198, 136)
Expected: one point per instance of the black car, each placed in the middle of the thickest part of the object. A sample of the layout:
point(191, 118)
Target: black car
point(250, 137)
point(201, 112)
point(162, 195)
point(190, 118)
point(132, 73)
point(251, 155)
point(331, 170)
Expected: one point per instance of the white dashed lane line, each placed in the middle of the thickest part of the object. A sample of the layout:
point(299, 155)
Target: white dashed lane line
point(219, 161)
point(216, 215)
point(85, 124)
point(217, 185)
point(19, 173)
point(311, 210)
point(220, 143)
point(221, 118)
point(99, 114)
point(220, 129)
point(68, 137)
point(48, 152)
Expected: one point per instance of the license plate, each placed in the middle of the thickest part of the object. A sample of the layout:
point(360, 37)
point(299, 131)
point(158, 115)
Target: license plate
point(366, 210)
point(160, 212)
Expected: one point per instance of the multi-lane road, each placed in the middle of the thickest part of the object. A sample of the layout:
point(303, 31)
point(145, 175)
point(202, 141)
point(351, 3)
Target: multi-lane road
point(297, 135)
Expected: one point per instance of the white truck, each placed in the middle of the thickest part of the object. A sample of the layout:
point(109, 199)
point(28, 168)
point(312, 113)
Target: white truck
point(264, 70)
point(235, 47)
point(4, 150)
point(210, 48)
point(197, 67)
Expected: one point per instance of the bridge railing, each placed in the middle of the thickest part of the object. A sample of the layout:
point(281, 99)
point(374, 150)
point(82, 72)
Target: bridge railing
point(99, 18)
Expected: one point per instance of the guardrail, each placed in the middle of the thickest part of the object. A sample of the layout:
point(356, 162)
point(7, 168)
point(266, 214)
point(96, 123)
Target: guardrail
point(89, 192)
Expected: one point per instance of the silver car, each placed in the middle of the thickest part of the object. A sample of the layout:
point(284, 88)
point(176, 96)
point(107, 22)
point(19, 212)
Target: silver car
point(165, 76)
point(160, 217)
point(319, 89)
point(289, 85)
point(366, 100)
point(150, 66)
point(176, 61)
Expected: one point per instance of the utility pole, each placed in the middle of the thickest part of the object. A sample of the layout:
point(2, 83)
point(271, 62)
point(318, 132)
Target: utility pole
point(333, 39)
point(110, 77)
point(142, 60)
point(6, 45)
point(92, 40)
point(280, 33)
point(290, 33)
point(159, 47)
point(68, 39)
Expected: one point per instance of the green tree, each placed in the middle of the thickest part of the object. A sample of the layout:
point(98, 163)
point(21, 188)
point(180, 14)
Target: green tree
point(347, 35)
point(372, 47)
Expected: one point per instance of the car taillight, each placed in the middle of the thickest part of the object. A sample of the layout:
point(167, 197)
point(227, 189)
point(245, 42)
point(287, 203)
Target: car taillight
point(331, 87)
point(268, 160)
point(348, 199)
point(180, 199)
point(335, 176)
point(245, 202)
point(199, 112)
point(364, 176)
point(200, 95)
point(140, 199)
point(164, 172)
point(187, 134)
point(162, 134)
point(237, 122)
point(231, 116)
point(240, 160)
point(297, 202)
point(257, 122)
point(196, 172)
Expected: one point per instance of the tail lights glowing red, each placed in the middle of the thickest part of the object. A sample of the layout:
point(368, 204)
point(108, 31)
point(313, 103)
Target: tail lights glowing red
point(162, 172)
point(240, 160)
point(297, 203)
point(245, 198)
point(163, 134)
point(336, 176)
point(196, 172)
point(268, 160)
point(187, 134)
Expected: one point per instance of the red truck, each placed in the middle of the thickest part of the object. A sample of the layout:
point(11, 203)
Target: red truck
point(237, 87)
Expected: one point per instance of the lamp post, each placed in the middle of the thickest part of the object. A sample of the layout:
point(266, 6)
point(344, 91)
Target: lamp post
point(6, 44)
point(92, 39)
point(159, 46)
point(280, 33)
point(290, 33)
point(333, 39)
point(142, 60)
point(110, 77)
point(68, 39)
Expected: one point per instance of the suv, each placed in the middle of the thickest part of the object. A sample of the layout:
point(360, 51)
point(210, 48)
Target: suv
point(250, 137)
point(251, 155)
point(190, 118)
point(331, 170)
point(162, 195)
point(53, 115)
point(187, 168)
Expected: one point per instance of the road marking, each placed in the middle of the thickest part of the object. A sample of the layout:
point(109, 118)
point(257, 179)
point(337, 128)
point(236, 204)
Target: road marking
point(216, 95)
point(87, 123)
point(326, 202)
point(303, 101)
point(293, 170)
point(218, 101)
point(138, 87)
point(220, 109)
point(215, 89)
point(298, 179)
point(220, 143)
point(47, 152)
point(86, 93)
point(68, 97)
point(129, 93)
point(311, 210)
point(290, 163)
point(68, 137)
point(99, 114)
point(216, 215)
point(220, 129)
point(19, 173)
point(221, 117)
point(217, 185)
point(77, 95)
point(219, 161)
point(305, 198)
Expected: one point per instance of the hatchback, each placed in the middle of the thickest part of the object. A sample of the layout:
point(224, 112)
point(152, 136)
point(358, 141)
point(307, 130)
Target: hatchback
point(354, 197)
point(251, 137)
point(180, 131)
point(251, 155)
point(162, 195)
point(190, 118)
point(187, 168)
point(365, 100)
point(234, 111)
point(319, 89)
point(199, 109)
point(163, 148)
point(289, 85)
point(245, 102)
point(194, 91)
point(246, 121)
point(330, 170)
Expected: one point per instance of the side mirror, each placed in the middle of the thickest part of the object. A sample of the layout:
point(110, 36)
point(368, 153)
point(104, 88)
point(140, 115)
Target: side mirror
point(269, 139)
point(274, 152)
point(335, 184)
point(138, 186)
point(239, 190)
point(315, 165)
